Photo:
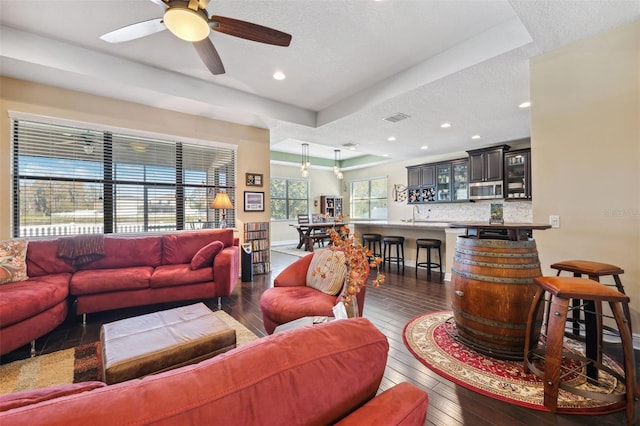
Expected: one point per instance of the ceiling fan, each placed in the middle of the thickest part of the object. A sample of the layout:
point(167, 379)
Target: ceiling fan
point(188, 20)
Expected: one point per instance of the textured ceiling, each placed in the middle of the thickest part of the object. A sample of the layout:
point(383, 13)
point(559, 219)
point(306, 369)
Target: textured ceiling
point(350, 64)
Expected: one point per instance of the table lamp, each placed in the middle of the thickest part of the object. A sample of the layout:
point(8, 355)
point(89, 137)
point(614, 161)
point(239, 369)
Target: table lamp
point(223, 202)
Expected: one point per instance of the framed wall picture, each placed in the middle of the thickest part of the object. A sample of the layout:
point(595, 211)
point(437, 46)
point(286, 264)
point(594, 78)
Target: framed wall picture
point(253, 179)
point(253, 201)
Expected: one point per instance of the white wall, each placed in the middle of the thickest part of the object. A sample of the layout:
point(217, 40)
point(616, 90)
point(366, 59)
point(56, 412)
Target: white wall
point(585, 138)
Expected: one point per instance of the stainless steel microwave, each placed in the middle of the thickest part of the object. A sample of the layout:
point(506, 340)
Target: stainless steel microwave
point(485, 190)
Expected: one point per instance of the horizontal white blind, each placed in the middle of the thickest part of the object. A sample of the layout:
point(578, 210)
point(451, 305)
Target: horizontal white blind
point(70, 180)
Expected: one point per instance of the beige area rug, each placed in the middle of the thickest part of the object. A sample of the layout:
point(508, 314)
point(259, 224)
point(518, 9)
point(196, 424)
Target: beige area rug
point(292, 250)
point(77, 364)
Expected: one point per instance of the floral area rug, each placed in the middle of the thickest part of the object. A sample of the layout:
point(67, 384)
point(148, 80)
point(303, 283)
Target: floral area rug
point(80, 364)
point(430, 339)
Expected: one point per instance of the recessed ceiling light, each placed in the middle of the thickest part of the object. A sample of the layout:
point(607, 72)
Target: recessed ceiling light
point(279, 75)
point(391, 138)
point(525, 105)
point(445, 125)
point(424, 147)
point(385, 155)
point(475, 137)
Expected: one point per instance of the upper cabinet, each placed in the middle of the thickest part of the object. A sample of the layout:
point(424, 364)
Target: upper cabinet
point(438, 182)
point(424, 175)
point(485, 165)
point(517, 171)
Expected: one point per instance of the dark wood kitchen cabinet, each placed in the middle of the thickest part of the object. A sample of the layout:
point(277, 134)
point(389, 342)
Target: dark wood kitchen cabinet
point(421, 183)
point(424, 175)
point(485, 165)
point(517, 174)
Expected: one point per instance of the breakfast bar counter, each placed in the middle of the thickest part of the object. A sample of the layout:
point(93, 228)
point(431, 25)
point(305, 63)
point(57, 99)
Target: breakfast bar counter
point(411, 231)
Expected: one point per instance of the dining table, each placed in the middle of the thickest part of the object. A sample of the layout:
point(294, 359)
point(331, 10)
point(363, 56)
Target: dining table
point(306, 230)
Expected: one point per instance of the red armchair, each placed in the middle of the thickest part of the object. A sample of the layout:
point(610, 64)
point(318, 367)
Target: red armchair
point(291, 298)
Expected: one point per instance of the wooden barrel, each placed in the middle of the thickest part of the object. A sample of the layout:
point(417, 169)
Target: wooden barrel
point(491, 292)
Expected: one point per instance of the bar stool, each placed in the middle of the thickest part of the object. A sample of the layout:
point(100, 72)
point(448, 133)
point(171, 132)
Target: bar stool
point(428, 243)
point(561, 289)
point(594, 270)
point(370, 241)
point(388, 242)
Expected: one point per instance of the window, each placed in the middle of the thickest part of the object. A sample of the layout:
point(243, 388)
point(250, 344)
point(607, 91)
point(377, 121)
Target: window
point(369, 199)
point(70, 180)
point(289, 198)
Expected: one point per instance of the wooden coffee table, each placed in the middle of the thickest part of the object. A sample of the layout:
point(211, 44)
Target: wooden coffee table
point(160, 341)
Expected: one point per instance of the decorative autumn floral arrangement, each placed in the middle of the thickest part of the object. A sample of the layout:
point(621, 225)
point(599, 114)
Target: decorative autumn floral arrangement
point(357, 258)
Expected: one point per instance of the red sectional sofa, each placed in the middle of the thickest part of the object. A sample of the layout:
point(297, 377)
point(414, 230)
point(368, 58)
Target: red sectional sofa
point(316, 375)
point(134, 270)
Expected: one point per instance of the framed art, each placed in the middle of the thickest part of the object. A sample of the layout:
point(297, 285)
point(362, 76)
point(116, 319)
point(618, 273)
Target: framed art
point(253, 179)
point(253, 201)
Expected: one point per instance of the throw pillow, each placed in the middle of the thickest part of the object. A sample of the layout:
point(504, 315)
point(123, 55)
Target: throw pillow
point(330, 270)
point(204, 256)
point(13, 266)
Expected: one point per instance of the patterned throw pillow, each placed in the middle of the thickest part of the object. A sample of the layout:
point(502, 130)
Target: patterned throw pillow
point(332, 271)
point(13, 266)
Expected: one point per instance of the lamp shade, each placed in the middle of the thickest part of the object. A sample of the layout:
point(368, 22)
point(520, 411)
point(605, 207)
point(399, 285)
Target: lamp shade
point(221, 201)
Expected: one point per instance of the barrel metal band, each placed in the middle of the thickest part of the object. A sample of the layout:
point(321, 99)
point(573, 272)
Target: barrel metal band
point(492, 323)
point(472, 242)
point(478, 277)
point(492, 254)
point(497, 265)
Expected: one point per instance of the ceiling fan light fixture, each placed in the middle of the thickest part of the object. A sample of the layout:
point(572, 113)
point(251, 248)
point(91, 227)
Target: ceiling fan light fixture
point(186, 23)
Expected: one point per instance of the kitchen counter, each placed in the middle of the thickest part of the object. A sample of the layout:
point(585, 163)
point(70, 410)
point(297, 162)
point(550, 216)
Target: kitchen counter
point(411, 231)
point(399, 224)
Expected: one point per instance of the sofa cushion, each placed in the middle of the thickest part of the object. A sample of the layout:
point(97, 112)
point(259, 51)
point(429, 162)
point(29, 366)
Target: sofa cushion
point(172, 275)
point(42, 259)
point(106, 280)
point(327, 271)
point(285, 304)
point(180, 248)
point(124, 252)
point(34, 396)
point(204, 256)
point(12, 260)
point(24, 299)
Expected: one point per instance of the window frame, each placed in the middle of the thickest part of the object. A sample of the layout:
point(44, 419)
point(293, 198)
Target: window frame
point(287, 200)
point(369, 199)
point(179, 167)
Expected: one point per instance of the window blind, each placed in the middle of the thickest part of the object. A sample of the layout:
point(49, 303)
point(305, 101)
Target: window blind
point(74, 180)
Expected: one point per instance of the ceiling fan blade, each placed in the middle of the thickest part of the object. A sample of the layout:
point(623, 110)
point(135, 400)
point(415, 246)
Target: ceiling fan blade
point(134, 31)
point(249, 31)
point(209, 56)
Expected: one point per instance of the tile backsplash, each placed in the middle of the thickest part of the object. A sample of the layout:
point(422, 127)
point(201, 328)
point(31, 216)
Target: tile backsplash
point(513, 211)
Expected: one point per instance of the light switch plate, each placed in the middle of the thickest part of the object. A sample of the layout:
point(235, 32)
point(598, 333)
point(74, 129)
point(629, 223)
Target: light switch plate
point(554, 221)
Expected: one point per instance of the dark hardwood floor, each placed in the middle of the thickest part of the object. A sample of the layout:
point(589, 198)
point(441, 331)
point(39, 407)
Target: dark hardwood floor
point(389, 307)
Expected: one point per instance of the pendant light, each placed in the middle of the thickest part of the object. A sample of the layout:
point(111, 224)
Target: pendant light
point(336, 164)
point(305, 162)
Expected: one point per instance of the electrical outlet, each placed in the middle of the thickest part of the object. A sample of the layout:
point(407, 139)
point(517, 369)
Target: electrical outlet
point(554, 221)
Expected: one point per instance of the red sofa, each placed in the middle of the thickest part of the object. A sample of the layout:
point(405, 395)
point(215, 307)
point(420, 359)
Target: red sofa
point(316, 375)
point(135, 270)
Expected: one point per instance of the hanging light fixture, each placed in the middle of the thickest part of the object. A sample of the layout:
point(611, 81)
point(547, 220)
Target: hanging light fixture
point(336, 164)
point(305, 162)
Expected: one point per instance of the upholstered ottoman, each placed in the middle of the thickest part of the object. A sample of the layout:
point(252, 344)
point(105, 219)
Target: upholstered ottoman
point(148, 344)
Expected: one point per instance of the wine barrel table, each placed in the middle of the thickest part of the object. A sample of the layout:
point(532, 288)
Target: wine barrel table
point(492, 287)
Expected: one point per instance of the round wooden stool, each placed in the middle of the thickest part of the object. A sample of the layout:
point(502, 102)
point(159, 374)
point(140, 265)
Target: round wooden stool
point(388, 243)
point(594, 270)
point(428, 243)
point(560, 290)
